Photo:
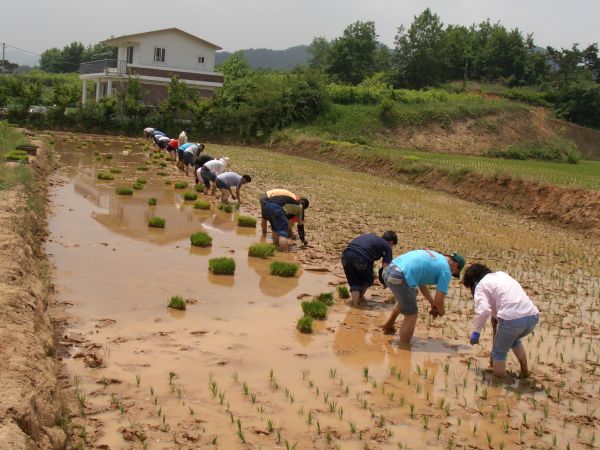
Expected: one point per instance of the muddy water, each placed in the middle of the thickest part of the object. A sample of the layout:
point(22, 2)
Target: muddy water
point(232, 371)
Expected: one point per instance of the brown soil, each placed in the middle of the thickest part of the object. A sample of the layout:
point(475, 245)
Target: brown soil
point(574, 207)
point(30, 402)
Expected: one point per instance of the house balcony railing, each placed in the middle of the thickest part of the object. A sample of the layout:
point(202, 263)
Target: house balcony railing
point(104, 66)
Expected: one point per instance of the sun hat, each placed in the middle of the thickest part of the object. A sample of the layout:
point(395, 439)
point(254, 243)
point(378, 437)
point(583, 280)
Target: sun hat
point(460, 260)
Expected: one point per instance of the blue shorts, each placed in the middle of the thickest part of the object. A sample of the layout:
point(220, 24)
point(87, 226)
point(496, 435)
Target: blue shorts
point(221, 184)
point(276, 217)
point(406, 297)
point(188, 158)
point(509, 334)
point(358, 270)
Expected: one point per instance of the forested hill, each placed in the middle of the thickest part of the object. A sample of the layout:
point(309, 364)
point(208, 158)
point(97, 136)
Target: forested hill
point(262, 58)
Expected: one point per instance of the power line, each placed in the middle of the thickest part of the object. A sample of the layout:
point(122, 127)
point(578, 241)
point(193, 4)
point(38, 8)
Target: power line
point(21, 50)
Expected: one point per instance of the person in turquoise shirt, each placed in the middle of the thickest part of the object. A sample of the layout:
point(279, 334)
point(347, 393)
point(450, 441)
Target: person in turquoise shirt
point(418, 269)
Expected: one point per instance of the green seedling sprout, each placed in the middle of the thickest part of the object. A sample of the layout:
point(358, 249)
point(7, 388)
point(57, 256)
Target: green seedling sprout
point(201, 239)
point(343, 292)
point(104, 176)
point(226, 207)
point(326, 298)
point(180, 185)
point(284, 269)
point(245, 389)
point(199, 187)
point(138, 186)
point(141, 180)
point(152, 201)
point(202, 204)
point(176, 302)
point(314, 309)
point(261, 250)
point(157, 222)
point(305, 324)
point(138, 380)
point(246, 221)
point(190, 196)
point(123, 190)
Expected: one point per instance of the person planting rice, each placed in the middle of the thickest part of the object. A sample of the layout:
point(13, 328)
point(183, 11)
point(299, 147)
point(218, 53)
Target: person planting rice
point(500, 296)
point(227, 180)
point(200, 161)
point(209, 171)
point(157, 134)
point(148, 132)
point(280, 207)
point(417, 269)
point(358, 259)
point(190, 153)
point(183, 137)
point(162, 142)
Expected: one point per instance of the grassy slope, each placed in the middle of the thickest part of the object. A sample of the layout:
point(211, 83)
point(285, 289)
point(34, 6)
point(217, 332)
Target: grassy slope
point(12, 174)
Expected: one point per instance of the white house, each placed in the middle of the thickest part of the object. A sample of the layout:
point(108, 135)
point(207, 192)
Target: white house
point(153, 57)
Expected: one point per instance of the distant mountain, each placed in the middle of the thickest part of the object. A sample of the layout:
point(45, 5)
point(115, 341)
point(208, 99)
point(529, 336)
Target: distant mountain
point(20, 58)
point(263, 58)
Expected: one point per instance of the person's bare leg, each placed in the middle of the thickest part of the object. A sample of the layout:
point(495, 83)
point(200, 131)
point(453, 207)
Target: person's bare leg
point(519, 352)
point(354, 298)
point(284, 244)
point(388, 326)
point(407, 327)
point(263, 226)
point(224, 195)
point(494, 329)
point(499, 368)
point(363, 292)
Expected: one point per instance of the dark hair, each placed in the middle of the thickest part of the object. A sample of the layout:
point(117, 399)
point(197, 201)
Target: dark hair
point(474, 274)
point(246, 178)
point(304, 202)
point(390, 236)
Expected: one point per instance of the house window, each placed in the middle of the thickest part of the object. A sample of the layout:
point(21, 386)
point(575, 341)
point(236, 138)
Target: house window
point(200, 59)
point(159, 54)
point(129, 55)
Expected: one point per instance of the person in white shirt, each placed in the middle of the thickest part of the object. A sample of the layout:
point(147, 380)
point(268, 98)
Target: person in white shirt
point(209, 171)
point(148, 132)
point(498, 295)
point(183, 137)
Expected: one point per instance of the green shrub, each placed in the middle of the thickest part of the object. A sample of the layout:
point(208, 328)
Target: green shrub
point(157, 222)
point(104, 176)
point(325, 297)
point(221, 266)
point(201, 239)
point(284, 269)
point(199, 188)
point(141, 181)
point(261, 250)
point(246, 221)
point(152, 201)
point(190, 196)
point(556, 150)
point(305, 324)
point(181, 185)
point(226, 207)
point(315, 309)
point(115, 170)
point(122, 190)
point(177, 302)
point(202, 204)
point(138, 186)
point(343, 291)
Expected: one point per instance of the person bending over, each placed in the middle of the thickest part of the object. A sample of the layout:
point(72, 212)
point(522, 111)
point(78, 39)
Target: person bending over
point(200, 161)
point(228, 180)
point(294, 208)
point(417, 269)
point(498, 295)
point(209, 172)
point(358, 259)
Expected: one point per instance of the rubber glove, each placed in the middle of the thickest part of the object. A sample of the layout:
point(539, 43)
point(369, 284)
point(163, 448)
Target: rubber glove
point(474, 338)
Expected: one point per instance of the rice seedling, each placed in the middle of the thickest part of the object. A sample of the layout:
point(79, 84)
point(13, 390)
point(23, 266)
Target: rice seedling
point(199, 188)
point(138, 186)
point(314, 309)
point(138, 380)
point(152, 201)
point(305, 324)
point(325, 297)
point(161, 173)
point(201, 204)
point(122, 190)
point(168, 182)
point(246, 221)
point(221, 266)
point(284, 269)
point(261, 250)
point(162, 164)
point(104, 176)
point(190, 196)
point(157, 222)
point(176, 302)
point(115, 170)
point(343, 291)
point(201, 239)
point(141, 168)
point(180, 185)
point(226, 207)
point(141, 180)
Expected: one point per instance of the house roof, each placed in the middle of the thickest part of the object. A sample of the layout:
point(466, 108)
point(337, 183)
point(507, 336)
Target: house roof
point(116, 40)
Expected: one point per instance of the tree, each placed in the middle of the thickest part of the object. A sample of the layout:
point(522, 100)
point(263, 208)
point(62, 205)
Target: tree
point(235, 67)
point(352, 56)
point(565, 61)
point(318, 53)
point(7, 67)
point(419, 51)
point(51, 60)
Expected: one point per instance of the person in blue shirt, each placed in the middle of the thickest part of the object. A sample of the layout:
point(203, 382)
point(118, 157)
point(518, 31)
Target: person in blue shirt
point(418, 269)
point(358, 259)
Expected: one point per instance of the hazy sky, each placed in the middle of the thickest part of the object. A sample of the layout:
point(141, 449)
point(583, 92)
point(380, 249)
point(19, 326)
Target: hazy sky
point(278, 24)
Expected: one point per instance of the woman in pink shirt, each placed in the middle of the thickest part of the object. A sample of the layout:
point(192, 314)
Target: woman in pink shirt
point(498, 295)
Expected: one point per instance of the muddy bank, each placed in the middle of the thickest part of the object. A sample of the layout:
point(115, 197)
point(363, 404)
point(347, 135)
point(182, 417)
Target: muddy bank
point(577, 208)
point(29, 396)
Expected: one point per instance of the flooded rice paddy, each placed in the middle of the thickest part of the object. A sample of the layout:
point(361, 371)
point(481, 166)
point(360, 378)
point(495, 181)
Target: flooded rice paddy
point(232, 371)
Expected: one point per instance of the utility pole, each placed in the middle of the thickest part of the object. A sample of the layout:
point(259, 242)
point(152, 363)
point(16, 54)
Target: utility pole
point(3, 48)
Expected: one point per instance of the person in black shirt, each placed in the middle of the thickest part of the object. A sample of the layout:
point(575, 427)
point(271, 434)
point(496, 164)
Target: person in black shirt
point(199, 162)
point(358, 259)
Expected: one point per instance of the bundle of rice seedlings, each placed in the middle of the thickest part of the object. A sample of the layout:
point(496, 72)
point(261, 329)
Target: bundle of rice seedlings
point(246, 221)
point(261, 250)
point(284, 269)
point(157, 222)
point(221, 266)
point(123, 190)
point(201, 239)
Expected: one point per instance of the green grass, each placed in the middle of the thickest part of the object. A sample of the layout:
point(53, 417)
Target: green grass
point(201, 239)
point(326, 298)
point(152, 201)
point(221, 266)
point(305, 324)
point(284, 269)
point(199, 188)
point(261, 250)
point(17, 156)
point(19, 174)
point(157, 222)
point(104, 176)
point(123, 190)
point(315, 309)
point(343, 291)
point(202, 204)
point(177, 302)
point(190, 196)
point(246, 221)
point(181, 185)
